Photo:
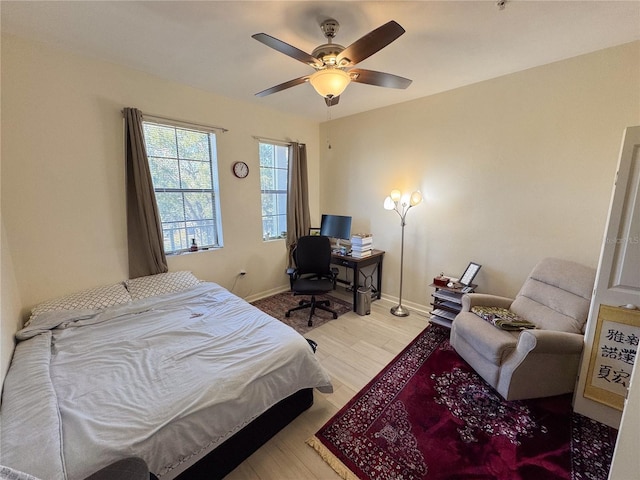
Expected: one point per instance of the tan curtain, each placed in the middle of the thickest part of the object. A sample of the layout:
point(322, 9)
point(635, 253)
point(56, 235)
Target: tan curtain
point(144, 230)
point(298, 217)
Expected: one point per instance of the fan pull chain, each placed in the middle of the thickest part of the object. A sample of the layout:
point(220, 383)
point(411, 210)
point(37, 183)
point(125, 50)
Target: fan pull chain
point(328, 126)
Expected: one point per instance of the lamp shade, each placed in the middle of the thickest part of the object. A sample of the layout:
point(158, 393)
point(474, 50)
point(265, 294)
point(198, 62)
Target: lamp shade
point(330, 81)
point(395, 195)
point(389, 204)
point(416, 199)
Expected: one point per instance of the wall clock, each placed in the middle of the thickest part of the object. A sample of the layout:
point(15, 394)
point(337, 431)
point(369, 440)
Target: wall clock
point(240, 169)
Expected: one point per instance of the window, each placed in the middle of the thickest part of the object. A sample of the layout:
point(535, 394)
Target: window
point(184, 171)
point(274, 171)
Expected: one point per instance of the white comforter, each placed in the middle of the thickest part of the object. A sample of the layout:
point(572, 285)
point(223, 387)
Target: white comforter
point(167, 378)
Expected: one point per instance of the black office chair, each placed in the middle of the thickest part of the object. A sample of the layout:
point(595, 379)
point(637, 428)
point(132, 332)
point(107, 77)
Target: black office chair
point(313, 274)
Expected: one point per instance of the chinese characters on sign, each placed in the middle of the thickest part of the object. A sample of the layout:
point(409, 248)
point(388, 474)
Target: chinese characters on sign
point(613, 355)
point(618, 349)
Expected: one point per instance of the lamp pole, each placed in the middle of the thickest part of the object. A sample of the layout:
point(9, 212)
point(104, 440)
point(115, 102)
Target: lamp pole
point(395, 202)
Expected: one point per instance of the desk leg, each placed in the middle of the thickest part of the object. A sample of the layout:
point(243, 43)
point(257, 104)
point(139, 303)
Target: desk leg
point(379, 295)
point(356, 282)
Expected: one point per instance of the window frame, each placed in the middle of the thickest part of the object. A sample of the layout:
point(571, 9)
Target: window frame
point(280, 210)
point(215, 223)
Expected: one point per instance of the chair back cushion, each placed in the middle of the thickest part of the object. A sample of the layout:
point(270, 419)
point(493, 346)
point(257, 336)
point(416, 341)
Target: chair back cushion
point(556, 295)
point(313, 255)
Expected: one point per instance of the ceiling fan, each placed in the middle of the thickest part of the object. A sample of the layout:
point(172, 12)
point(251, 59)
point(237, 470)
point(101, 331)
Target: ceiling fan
point(333, 62)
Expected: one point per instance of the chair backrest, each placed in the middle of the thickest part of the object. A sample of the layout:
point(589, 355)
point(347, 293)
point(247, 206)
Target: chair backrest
point(556, 295)
point(313, 255)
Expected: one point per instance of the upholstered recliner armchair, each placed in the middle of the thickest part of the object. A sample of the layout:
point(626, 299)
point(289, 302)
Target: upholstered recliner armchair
point(532, 363)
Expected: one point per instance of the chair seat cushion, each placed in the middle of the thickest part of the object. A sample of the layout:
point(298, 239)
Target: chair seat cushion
point(307, 286)
point(490, 342)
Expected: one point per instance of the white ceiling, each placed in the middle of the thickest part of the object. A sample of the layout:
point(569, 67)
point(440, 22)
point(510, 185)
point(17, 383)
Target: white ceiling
point(208, 44)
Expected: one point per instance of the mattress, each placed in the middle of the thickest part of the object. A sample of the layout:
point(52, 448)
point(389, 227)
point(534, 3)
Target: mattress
point(165, 378)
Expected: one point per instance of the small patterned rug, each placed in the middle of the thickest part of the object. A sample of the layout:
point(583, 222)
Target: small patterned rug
point(277, 305)
point(428, 415)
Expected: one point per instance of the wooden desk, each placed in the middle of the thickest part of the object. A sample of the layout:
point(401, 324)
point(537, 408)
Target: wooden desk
point(356, 264)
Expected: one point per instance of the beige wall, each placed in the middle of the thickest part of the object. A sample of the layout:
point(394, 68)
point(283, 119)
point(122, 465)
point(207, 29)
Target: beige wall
point(63, 183)
point(512, 169)
point(10, 305)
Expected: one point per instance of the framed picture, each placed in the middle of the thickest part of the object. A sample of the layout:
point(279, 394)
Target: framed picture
point(614, 350)
point(469, 274)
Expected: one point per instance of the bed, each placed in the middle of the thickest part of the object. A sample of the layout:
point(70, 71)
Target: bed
point(181, 373)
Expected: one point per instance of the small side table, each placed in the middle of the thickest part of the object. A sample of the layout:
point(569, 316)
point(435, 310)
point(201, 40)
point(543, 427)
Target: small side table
point(447, 303)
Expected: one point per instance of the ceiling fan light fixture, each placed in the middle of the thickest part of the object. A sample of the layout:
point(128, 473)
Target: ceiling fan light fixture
point(330, 82)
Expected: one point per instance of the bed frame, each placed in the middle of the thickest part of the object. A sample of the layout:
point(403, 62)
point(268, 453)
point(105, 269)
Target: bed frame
point(226, 457)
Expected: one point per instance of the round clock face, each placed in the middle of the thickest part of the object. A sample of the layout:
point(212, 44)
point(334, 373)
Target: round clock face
point(240, 169)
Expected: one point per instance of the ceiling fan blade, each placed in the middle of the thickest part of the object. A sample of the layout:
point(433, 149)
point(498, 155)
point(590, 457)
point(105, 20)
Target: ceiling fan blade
point(332, 101)
point(283, 86)
point(287, 49)
point(371, 77)
point(369, 44)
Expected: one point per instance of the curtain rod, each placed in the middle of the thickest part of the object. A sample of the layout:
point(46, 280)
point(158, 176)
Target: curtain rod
point(276, 140)
point(183, 123)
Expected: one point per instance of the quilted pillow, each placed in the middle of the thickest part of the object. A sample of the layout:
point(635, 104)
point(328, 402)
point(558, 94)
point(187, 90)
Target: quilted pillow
point(91, 299)
point(160, 284)
point(502, 318)
point(8, 473)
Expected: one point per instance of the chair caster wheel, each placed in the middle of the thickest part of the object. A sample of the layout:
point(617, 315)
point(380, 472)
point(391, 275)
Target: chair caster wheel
point(310, 324)
point(301, 302)
point(287, 314)
point(335, 315)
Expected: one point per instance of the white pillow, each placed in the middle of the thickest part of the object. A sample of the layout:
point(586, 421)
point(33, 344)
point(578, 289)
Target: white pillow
point(91, 299)
point(143, 287)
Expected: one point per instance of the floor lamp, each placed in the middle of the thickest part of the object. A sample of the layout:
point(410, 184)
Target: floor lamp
point(401, 205)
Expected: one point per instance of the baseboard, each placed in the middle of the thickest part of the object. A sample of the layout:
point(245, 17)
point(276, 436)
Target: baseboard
point(423, 310)
point(387, 300)
point(267, 293)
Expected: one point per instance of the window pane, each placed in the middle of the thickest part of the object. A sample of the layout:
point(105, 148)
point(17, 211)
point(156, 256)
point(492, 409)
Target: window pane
point(281, 204)
point(266, 155)
point(170, 206)
point(193, 145)
point(198, 205)
point(268, 204)
point(282, 157)
point(203, 231)
point(164, 172)
point(281, 179)
point(160, 141)
point(282, 225)
point(269, 227)
point(267, 179)
point(174, 236)
point(195, 175)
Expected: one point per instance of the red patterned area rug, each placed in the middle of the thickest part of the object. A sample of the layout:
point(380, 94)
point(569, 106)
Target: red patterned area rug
point(428, 415)
point(277, 305)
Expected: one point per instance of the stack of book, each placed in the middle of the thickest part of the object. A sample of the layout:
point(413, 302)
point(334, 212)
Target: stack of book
point(361, 245)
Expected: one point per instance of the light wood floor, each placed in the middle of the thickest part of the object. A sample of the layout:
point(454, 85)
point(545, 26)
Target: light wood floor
point(353, 349)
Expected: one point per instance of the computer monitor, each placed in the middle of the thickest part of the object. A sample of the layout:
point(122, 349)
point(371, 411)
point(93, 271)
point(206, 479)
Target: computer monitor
point(336, 226)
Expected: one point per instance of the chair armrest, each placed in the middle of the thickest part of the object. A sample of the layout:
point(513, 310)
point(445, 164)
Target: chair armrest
point(544, 363)
point(484, 300)
point(549, 341)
